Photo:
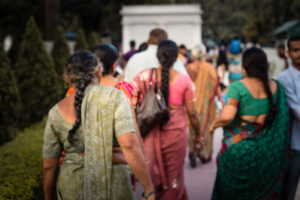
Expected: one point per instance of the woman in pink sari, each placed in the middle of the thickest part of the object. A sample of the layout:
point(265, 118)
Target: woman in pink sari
point(166, 144)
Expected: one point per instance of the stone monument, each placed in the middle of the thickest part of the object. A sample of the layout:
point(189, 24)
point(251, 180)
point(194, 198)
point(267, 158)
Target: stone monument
point(182, 23)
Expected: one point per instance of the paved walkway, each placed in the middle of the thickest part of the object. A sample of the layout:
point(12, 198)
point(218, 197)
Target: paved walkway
point(199, 181)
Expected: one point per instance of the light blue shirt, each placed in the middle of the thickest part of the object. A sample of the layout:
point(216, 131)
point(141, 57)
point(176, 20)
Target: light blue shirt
point(290, 79)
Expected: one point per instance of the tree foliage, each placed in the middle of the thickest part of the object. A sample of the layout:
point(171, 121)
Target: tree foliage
point(80, 41)
point(60, 54)
point(60, 51)
point(21, 162)
point(93, 40)
point(9, 99)
point(36, 77)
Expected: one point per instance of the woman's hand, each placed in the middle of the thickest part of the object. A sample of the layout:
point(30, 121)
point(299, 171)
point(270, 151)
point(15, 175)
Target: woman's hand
point(152, 197)
point(198, 143)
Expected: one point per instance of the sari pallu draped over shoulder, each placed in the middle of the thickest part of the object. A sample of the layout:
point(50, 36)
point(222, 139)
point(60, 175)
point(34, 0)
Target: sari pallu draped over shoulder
point(253, 160)
point(102, 179)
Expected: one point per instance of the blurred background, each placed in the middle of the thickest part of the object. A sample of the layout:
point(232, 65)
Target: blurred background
point(38, 36)
point(251, 21)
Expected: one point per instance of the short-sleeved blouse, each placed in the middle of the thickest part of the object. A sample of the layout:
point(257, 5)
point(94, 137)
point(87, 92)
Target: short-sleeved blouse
point(245, 102)
point(180, 91)
point(56, 131)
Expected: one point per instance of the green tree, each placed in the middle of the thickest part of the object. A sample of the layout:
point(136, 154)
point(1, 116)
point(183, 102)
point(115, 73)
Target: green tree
point(36, 76)
point(93, 40)
point(80, 41)
point(60, 54)
point(60, 51)
point(9, 99)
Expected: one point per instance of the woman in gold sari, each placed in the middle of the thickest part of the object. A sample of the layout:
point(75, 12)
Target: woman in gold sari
point(205, 78)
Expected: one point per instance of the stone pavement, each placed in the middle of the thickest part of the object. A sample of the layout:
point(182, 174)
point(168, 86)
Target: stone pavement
point(199, 181)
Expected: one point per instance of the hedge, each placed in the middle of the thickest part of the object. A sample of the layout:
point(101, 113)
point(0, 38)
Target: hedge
point(21, 165)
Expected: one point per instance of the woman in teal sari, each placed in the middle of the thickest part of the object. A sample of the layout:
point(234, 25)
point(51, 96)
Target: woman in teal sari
point(254, 153)
point(89, 124)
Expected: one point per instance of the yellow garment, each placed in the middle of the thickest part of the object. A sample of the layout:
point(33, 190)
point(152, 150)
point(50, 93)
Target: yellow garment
point(205, 78)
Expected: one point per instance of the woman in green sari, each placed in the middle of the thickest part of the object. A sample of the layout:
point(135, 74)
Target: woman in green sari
point(254, 153)
point(88, 125)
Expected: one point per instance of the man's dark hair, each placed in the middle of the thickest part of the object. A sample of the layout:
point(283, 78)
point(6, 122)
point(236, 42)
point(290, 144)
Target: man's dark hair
point(157, 35)
point(132, 43)
point(292, 39)
point(182, 46)
point(281, 46)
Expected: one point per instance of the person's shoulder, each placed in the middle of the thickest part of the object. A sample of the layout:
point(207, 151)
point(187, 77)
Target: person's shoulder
point(138, 55)
point(284, 76)
point(137, 60)
point(236, 84)
point(53, 113)
point(106, 94)
point(184, 76)
point(144, 74)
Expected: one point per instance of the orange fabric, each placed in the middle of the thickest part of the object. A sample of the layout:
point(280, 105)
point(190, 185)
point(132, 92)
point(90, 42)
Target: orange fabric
point(71, 90)
point(205, 79)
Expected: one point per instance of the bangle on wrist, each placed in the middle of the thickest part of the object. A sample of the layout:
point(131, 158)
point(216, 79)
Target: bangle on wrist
point(146, 195)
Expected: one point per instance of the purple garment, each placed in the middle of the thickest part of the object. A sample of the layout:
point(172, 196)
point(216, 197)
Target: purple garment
point(129, 54)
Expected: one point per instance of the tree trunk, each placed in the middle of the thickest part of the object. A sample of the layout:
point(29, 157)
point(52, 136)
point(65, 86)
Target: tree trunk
point(52, 17)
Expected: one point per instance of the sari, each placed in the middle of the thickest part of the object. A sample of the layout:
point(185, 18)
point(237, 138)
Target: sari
point(206, 82)
point(253, 159)
point(91, 175)
point(165, 148)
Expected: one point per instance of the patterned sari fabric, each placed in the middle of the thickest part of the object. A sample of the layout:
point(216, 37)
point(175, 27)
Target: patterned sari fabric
point(166, 148)
point(254, 158)
point(91, 175)
point(206, 87)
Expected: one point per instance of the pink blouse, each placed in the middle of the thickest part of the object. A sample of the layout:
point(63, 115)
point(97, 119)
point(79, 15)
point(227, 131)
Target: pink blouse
point(180, 91)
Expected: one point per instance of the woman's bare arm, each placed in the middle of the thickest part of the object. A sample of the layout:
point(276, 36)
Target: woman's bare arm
point(135, 158)
point(137, 131)
point(49, 167)
point(194, 119)
point(193, 116)
point(118, 156)
point(227, 115)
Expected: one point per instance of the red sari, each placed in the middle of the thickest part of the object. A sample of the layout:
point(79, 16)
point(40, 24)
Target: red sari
point(166, 148)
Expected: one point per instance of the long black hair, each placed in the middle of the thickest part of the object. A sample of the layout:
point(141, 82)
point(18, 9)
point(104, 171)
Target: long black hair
point(222, 59)
point(108, 55)
point(81, 69)
point(256, 65)
point(167, 54)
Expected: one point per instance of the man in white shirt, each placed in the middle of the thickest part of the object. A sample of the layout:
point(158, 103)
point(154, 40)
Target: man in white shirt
point(290, 79)
point(148, 59)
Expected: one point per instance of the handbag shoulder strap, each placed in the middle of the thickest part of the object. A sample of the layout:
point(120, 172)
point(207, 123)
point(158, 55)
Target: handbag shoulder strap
point(156, 80)
point(151, 78)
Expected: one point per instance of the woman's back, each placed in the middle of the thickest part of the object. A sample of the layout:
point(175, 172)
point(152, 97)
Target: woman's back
point(251, 99)
point(106, 114)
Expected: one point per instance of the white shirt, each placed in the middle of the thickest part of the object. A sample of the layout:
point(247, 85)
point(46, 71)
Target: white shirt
point(290, 79)
point(276, 66)
point(145, 60)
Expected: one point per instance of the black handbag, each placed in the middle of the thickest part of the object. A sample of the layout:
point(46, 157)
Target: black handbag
point(152, 109)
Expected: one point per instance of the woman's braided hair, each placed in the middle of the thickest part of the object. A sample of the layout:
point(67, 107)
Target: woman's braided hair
point(81, 69)
point(256, 65)
point(167, 54)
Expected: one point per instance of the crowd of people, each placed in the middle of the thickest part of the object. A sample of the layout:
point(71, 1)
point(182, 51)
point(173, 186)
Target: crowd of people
point(102, 136)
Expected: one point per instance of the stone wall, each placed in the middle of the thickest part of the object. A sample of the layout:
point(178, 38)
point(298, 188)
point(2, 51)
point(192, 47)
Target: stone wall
point(182, 23)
